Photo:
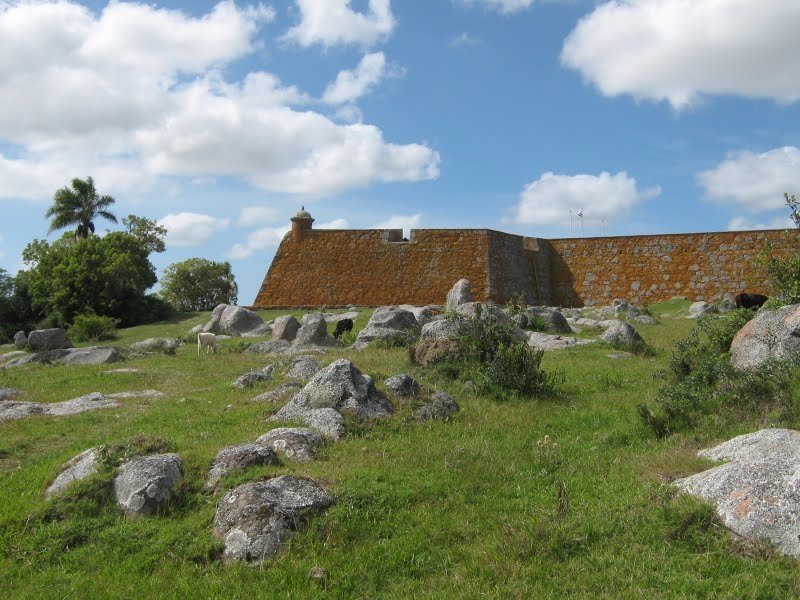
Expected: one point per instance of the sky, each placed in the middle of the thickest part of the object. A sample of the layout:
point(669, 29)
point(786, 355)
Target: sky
point(220, 120)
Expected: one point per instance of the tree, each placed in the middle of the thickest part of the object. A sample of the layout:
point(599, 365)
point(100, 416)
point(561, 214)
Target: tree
point(148, 232)
point(79, 206)
point(198, 284)
point(784, 272)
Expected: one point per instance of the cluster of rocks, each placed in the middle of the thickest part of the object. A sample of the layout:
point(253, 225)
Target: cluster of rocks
point(291, 336)
point(235, 321)
point(16, 409)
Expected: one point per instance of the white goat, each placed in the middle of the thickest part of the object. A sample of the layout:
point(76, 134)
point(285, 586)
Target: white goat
point(207, 340)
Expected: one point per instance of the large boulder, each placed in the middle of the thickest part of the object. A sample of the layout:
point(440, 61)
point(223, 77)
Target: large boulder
point(384, 323)
point(87, 463)
point(439, 407)
point(238, 458)
point(698, 309)
point(303, 368)
point(553, 341)
point(295, 443)
point(488, 310)
point(40, 340)
point(554, 321)
point(12, 409)
point(20, 340)
point(429, 352)
point(235, 321)
point(94, 355)
point(285, 328)
point(770, 334)
point(443, 329)
point(269, 347)
point(423, 314)
point(156, 345)
point(144, 485)
point(313, 332)
point(622, 334)
point(339, 387)
point(460, 293)
point(755, 493)
point(402, 385)
point(255, 519)
point(251, 378)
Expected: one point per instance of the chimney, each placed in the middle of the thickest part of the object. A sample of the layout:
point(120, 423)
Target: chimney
point(301, 222)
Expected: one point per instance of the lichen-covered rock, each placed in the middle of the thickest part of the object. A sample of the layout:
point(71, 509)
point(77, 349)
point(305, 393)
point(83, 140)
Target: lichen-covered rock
point(236, 321)
point(340, 387)
point(94, 355)
point(554, 321)
point(41, 340)
point(430, 352)
point(460, 293)
point(303, 368)
point(488, 310)
point(423, 314)
point(87, 463)
point(280, 393)
point(327, 421)
point(295, 443)
point(137, 394)
point(443, 329)
point(771, 334)
point(238, 458)
point(385, 322)
point(642, 319)
point(11, 409)
point(144, 485)
point(698, 309)
point(440, 407)
point(269, 347)
point(156, 346)
point(402, 385)
point(255, 519)
point(313, 332)
point(551, 341)
point(20, 340)
point(248, 380)
point(755, 493)
point(622, 334)
point(285, 328)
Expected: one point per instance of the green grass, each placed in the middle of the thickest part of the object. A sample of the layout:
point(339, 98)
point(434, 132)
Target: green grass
point(476, 507)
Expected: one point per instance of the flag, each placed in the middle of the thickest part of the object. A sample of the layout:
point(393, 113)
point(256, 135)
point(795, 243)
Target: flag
point(580, 213)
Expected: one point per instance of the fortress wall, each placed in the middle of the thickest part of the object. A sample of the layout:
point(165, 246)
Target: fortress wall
point(362, 267)
point(650, 268)
point(511, 268)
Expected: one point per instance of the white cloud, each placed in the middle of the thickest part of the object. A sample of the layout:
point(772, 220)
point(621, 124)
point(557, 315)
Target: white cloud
point(191, 229)
point(256, 215)
point(680, 50)
point(464, 39)
point(331, 22)
point(270, 237)
point(548, 200)
point(400, 222)
point(503, 6)
point(118, 103)
point(351, 85)
point(334, 224)
point(755, 182)
point(745, 224)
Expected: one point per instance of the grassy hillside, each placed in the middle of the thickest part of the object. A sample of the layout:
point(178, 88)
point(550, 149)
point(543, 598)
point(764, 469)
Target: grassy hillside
point(565, 497)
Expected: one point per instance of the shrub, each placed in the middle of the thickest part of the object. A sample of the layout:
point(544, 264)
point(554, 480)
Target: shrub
point(483, 334)
point(400, 339)
point(92, 328)
point(517, 304)
point(517, 367)
point(536, 323)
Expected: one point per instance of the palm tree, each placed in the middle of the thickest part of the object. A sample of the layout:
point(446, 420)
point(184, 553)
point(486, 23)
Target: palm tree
point(80, 205)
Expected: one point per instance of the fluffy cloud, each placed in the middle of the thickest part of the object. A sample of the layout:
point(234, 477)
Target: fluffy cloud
point(504, 6)
point(755, 182)
point(191, 229)
point(400, 222)
point(109, 94)
point(270, 237)
point(745, 224)
point(679, 50)
point(548, 200)
point(331, 22)
point(256, 215)
point(351, 85)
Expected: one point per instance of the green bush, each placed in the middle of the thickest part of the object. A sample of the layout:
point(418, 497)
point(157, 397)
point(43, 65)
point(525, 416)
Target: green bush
point(92, 328)
point(517, 367)
point(536, 323)
point(400, 339)
point(482, 334)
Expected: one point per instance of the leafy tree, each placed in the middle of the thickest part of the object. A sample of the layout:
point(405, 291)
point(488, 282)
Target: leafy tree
point(784, 272)
point(148, 232)
point(15, 310)
point(79, 206)
point(198, 284)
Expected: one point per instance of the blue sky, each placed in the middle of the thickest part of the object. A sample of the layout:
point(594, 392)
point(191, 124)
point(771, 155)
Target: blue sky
point(221, 119)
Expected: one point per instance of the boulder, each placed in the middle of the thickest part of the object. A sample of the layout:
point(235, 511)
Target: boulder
point(285, 328)
point(488, 310)
point(622, 334)
point(403, 385)
point(20, 340)
point(7, 356)
point(255, 519)
point(144, 485)
point(94, 355)
point(327, 421)
point(520, 320)
point(336, 317)
point(87, 463)
point(460, 293)
point(236, 321)
point(443, 329)
point(269, 347)
point(295, 443)
point(339, 387)
point(771, 334)
point(554, 321)
point(384, 323)
point(423, 314)
point(40, 340)
point(727, 304)
point(196, 329)
point(156, 346)
point(429, 352)
point(137, 394)
point(755, 493)
point(589, 323)
point(282, 392)
point(313, 332)
point(12, 409)
point(248, 380)
point(239, 458)
point(303, 368)
point(698, 309)
point(440, 407)
point(549, 341)
point(642, 319)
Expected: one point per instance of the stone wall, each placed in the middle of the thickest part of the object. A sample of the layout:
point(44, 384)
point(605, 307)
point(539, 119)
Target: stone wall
point(512, 268)
point(369, 268)
point(650, 268)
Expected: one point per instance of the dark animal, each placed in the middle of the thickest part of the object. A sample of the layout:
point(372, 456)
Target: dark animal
point(750, 300)
point(345, 325)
